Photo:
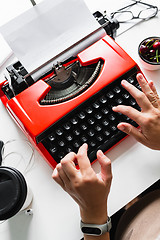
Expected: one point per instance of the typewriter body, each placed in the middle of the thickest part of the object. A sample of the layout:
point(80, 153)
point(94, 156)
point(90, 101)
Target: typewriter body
point(72, 103)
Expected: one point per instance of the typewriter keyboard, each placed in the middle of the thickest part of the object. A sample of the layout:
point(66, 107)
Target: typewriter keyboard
point(93, 122)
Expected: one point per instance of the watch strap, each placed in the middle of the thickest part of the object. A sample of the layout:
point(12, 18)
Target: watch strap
point(96, 229)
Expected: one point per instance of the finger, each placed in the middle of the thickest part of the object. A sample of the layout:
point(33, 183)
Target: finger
point(151, 84)
point(147, 90)
point(105, 162)
point(132, 113)
point(132, 131)
point(57, 179)
point(68, 165)
point(82, 158)
point(138, 95)
point(64, 178)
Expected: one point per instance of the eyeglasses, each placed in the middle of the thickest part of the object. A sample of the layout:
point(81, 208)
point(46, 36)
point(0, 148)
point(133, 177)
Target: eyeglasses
point(123, 15)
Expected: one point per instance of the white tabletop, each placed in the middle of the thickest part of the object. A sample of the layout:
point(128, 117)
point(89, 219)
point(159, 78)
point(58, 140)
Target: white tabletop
point(135, 167)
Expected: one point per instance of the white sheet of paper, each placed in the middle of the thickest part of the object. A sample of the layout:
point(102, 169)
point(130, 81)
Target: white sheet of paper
point(5, 51)
point(47, 29)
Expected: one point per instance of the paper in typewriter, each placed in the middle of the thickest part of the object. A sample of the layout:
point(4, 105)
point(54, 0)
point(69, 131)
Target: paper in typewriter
point(48, 29)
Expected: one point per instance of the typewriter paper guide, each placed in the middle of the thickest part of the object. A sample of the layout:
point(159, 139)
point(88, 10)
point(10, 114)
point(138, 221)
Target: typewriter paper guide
point(49, 28)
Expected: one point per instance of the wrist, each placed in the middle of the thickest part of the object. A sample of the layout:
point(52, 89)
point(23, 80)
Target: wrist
point(94, 216)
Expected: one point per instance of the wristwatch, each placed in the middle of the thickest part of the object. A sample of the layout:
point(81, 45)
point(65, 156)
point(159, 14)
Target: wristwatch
point(94, 229)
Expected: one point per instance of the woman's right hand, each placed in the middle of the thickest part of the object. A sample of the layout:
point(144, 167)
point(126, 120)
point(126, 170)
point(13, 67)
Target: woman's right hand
point(148, 119)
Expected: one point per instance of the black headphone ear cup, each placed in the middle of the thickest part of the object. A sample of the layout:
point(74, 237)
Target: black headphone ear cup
point(13, 192)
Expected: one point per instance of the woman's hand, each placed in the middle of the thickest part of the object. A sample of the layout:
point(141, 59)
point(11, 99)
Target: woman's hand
point(149, 117)
point(88, 189)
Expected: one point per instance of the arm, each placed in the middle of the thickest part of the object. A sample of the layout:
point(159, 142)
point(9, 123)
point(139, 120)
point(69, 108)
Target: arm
point(88, 189)
point(148, 119)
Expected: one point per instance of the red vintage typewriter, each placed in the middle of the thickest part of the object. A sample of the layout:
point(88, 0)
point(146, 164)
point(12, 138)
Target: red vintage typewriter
point(72, 103)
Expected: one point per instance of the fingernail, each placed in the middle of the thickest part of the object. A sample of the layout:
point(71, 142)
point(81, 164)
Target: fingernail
point(140, 77)
point(124, 82)
point(85, 145)
point(121, 127)
point(100, 153)
point(54, 172)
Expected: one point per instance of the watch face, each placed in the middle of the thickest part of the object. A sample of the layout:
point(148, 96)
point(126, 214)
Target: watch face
point(90, 230)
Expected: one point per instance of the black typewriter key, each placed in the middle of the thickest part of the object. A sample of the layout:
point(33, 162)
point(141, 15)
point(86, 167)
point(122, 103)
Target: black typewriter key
point(69, 137)
point(138, 86)
point(61, 155)
point(130, 80)
point(98, 128)
point(113, 104)
point(98, 116)
point(126, 95)
point(103, 99)
point(59, 131)
point(61, 143)
point(67, 126)
point(84, 139)
point(76, 144)
point(74, 120)
point(119, 101)
point(52, 137)
point(105, 122)
point(105, 110)
point(100, 138)
point(53, 149)
point(83, 126)
point(91, 121)
point(91, 133)
point(69, 149)
point(106, 133)
point(112, 117)
point(96, 105)
point(117, 90)
point(113, 128)
point(76, 132)
point(110, 94)
point(132, 102)
point(89, 110)
point(81, 115)
point(92, 143)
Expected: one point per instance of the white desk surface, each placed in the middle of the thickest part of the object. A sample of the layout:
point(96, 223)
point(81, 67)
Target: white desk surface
point(135, 167)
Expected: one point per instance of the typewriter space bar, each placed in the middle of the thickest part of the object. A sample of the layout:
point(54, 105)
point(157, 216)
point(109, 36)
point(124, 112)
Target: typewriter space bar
point(107, 145)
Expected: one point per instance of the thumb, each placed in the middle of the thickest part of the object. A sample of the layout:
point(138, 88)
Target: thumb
point(105, 162)
point(132, 131)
